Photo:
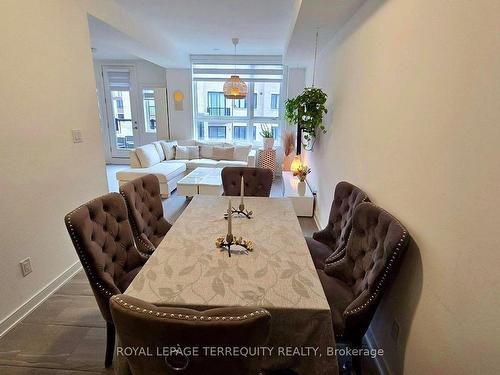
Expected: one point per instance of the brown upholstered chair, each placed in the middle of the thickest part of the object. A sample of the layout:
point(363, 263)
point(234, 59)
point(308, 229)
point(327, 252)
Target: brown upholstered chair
point(103, 240)
point(142, 325)
point(354, 284)
point(258, 181)
point(149, 226)
point(328, 245)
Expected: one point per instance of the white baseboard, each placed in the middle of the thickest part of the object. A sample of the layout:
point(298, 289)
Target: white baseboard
point(382, 366)
point(10, 322)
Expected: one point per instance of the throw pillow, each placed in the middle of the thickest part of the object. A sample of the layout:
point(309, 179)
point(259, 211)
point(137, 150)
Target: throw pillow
point(223, 153)
point(187, 152)
point(241, 152)
point(168, 149)
point(159, 149)
point(148, 156)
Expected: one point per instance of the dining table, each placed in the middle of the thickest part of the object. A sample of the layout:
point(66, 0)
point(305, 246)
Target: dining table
point(188, 270)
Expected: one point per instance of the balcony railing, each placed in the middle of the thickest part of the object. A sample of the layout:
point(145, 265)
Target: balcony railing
point(219, 111)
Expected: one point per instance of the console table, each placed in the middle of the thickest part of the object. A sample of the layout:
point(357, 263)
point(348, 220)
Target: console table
point(302, 204)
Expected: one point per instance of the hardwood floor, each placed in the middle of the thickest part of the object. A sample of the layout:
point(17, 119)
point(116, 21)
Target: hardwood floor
point(66, 334)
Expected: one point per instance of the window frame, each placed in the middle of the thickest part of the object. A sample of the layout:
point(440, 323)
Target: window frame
point(251, 100)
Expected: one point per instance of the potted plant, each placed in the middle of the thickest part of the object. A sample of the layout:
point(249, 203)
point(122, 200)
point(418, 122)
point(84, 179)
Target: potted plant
point(307, 111)
point(302, 173)
point(267, 136)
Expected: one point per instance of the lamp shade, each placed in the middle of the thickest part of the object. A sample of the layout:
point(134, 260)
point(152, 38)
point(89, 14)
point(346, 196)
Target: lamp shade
point(296, 164)
point(235, 88)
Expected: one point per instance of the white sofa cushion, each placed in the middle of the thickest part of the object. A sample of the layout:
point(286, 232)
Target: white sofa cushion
point(187, 142)
point(134, 160)
point(187, 152)
point(193, 164)
point(168, 149)
point(164, 172)
point(241, 152)
point(223, 153)
point(231, 163)
point(207, 148)
point(159, 149)
point(148, 156)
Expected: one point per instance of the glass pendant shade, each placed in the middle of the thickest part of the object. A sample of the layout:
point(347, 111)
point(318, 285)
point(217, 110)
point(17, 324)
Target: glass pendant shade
point(235, 88)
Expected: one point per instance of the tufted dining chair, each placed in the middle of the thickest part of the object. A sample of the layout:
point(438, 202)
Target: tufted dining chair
point(149, 226)
point(258, 181)
point(354, 284)
point(142, 325)
point(103, 240)
point(328, 245)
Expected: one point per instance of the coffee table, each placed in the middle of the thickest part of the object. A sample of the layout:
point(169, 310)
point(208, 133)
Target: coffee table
point(202, 180)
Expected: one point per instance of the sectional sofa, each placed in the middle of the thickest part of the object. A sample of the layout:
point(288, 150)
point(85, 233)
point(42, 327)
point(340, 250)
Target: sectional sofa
point(172, 160)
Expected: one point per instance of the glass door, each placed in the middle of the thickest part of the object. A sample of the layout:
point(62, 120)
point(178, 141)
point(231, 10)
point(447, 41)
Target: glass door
point(154, 109)
point(121, 109)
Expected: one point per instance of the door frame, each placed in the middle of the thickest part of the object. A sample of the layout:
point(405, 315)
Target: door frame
point(134, 108)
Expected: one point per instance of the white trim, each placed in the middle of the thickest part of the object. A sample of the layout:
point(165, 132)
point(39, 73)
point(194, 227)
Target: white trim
point(380, 362)
point(20, 313)
point(316, 219)
point(238, 59)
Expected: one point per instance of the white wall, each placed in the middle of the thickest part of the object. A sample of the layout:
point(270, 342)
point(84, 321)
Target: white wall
point(147, 74)
point(47, 88)
point(414, 119)
point(180, 121)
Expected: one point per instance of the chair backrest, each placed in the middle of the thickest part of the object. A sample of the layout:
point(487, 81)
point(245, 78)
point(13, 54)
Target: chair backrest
point(373, 255)
point(149, 226)
point(345, 200)
point(258, 181)
point(143, 325)
point(103, 240)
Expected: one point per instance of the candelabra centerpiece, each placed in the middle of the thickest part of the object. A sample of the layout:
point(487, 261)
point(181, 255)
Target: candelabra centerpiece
point(241, 207)
point(225, 243)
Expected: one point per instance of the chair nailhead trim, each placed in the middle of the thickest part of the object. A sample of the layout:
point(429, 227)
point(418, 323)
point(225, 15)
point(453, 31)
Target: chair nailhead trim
point(150, 246)
point(81, 254)
point(374, 295)
point(121, 302)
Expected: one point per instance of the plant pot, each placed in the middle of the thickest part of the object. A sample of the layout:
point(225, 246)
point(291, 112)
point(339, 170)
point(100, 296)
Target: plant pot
point(301, 188)
point(268, 143)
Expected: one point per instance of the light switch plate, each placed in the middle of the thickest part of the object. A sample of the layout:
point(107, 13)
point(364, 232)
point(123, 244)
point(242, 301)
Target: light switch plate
point(77, 135)
point(26, 266)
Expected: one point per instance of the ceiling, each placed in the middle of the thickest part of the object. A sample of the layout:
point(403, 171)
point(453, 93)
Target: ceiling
point(265, 27)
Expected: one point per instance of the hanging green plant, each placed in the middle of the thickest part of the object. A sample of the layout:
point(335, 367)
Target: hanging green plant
point(307, 111)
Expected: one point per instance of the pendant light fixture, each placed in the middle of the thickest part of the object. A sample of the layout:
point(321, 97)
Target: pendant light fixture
point(234, 87)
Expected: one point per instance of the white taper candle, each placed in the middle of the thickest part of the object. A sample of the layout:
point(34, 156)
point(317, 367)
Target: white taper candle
point(229, 219)
point(242, 189)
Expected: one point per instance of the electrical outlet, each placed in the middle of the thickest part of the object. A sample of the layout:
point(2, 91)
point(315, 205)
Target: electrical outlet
point(26, 266)
point(77, 135)
point(395, 330)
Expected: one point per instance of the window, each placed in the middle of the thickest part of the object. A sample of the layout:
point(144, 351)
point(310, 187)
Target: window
point(217, 104)
point(148, 96)
point(216, 131)
point(275, 98)
point(240, 132)
point(216, 117)
point(240, 103)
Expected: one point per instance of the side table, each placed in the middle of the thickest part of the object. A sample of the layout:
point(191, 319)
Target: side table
point(267, 159)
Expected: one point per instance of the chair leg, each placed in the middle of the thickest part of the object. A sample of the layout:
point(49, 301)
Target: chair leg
point(110, 344)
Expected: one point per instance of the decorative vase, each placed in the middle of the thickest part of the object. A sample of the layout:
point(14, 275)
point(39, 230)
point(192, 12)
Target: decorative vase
point(301, 188)
point(287, 161)
point(268, 143)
